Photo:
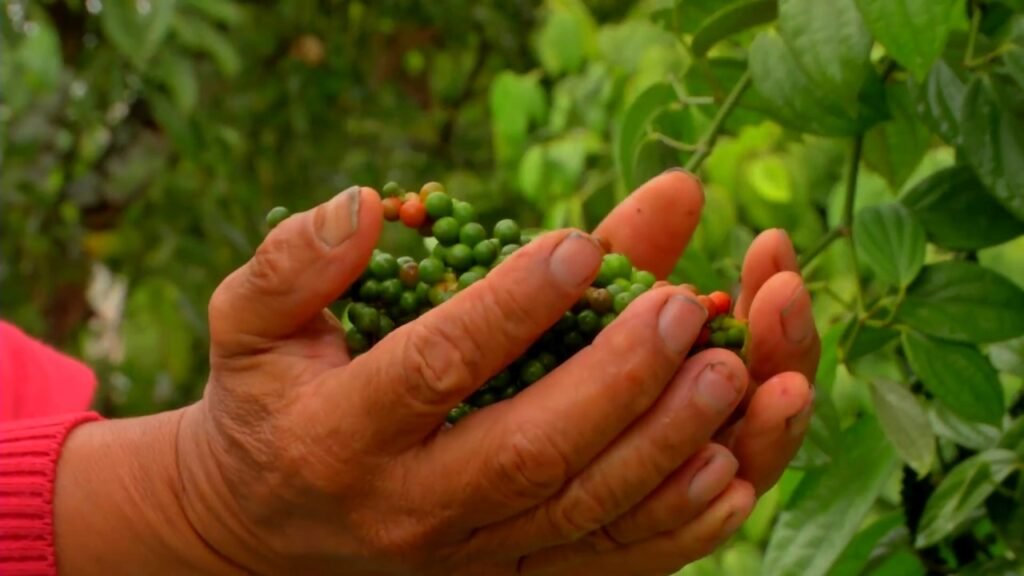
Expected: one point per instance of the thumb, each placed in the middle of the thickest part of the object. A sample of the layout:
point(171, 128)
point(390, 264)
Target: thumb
point(302, 266)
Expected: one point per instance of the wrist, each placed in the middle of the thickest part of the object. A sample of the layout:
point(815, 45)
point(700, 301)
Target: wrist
point(118, 502)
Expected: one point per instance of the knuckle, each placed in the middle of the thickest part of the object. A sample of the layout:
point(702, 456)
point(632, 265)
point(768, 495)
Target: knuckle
point(507, 307)
point(269, 270)
point(529, 467)
point(436, 366)
point(579, 514)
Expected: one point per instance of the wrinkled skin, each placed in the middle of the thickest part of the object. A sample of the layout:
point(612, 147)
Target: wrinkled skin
point(623, 460)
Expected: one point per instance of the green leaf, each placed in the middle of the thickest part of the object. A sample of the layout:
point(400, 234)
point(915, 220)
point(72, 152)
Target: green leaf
point(178, 76)
point(940, 100)
point(1007, 516)
point(961, 492)
point(566, 38)
point(731, 20)
point(890, 241)
point(1008, 356)
point(868, 340)
point(958, 213)
point(516, 101)
point(791, 96)
point(829, 41)
point(905, 423)
point(633, 128)
point(857, 555)
point(894, 148)
point(137, 29)
point(830, 503)
point(963, 301)
point(993, 142)
point(973, 435)
point(957, 375)
point(913, 32)
point(197, 34)
point(226, 12)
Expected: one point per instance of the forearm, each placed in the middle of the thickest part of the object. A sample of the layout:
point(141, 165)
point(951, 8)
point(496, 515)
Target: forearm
point(117, 505)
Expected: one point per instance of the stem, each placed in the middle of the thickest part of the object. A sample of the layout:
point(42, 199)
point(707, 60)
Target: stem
point(673, 143)
point(973, 35)
point(708, 141)
point(847, 218)
point(826, 240)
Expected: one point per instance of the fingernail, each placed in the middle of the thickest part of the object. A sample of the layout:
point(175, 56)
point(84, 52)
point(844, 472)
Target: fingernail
point(710, 480)
point(679, 321)
point(717, 388)
point(700, 183)
point(604, 243)
point(797, 323)
point(797, 424)
point(338, 219)
point(575, 260)
point(732, 523)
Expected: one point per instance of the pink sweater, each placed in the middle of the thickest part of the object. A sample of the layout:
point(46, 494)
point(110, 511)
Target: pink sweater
point(43, 396)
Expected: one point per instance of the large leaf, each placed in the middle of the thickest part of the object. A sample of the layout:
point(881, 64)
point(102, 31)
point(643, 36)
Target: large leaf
point(890, 241)
point(730, 20)
point(962, 492)
point(829, 505)
point(958, 213)
point(567, 36)
point(137, 29)
point(974, 435)
point(993, 142)
point(633, 128)
point(178, 75)
point(829, 41)
point(964, 301)
point(940, 99)
point(858, 554)
point(516, 101)
point(913, 32)
point(894, 148)
point(958, 375)
point(793, 97)
point(905, 423)
point(201, 36)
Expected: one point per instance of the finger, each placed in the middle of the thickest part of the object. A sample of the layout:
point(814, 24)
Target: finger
point(783, 336)
point(518, 453)
point(303, 265)
point(654, 224)
point(663, 554)
point(680, 498)
point(770, 253)
point(419, 372)
point(683, 420)
point(774, 426)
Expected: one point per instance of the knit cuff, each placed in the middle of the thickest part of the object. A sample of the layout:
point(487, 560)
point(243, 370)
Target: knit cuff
point(29, 450)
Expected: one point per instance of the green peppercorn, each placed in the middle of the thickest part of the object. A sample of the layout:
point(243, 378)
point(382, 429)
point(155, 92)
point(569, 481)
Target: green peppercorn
point(391, 189)
point(369, 290)
point(573, 341)
point(436, 295)
point(421, 292)
point(736, 337)
point(637, 289)
point(463, 212)
point(458, 413)
point(644, 277)
point(431, 270)
point(472, 234)
point(531, 371)
point(547, 360)
point(438, 205)
point(589, 322)
point(386, 326)
point(607, 318)
point(621, 301)
point(446, 231)
point(614, 290)
point(402, 260)
point(277, 215)
point(507, 231)
point(508, 249)
point(613, 267)
point(566, 323)
point(485, 252)
point(439, 252)
point(468, 278)
point(599, 300)
point(482, 399)
point(508, 392)
point(459, 257)
point(391, 290)
point(624, 283)
point(719, 338)
point(355, 341)
point(408, 302)
point(409, 273)
point(481, 270)
point(383, 266)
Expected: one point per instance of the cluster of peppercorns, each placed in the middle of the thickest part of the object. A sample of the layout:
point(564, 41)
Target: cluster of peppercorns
point(396, 290)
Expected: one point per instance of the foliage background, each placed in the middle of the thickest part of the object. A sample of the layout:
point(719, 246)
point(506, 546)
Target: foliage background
point(144, 140)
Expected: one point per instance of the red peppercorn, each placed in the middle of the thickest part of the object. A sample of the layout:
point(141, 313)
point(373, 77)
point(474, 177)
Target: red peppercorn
point(391, 208)
point(722, 301)
point(708, 305)
point(413, 214)
point(704, 337)
point(410, 196)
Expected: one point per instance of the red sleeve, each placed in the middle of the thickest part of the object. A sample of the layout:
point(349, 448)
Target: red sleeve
point(43, 394)
point(29, 450)
point(36, 380)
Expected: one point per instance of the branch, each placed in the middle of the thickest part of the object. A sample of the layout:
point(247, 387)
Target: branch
point(708, 141)
point(826, 241)
point(847, 218)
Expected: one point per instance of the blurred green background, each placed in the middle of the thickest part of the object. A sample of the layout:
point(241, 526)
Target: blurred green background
point(143, 141)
